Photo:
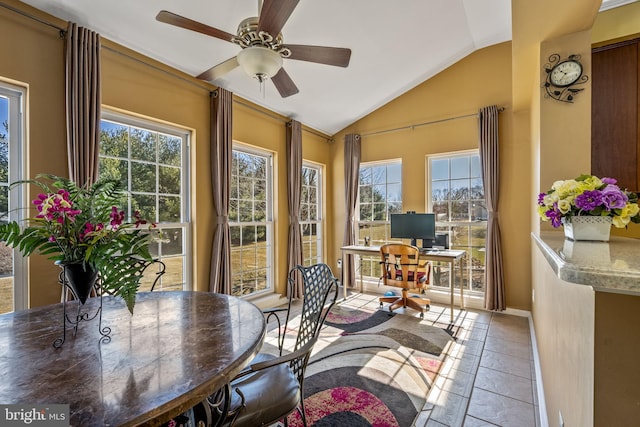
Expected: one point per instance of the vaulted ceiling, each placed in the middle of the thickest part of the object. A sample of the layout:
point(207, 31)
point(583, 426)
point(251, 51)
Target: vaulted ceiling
point(395, 45)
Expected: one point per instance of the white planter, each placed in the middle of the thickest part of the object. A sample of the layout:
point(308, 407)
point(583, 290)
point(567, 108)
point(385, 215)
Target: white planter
point(596, 228)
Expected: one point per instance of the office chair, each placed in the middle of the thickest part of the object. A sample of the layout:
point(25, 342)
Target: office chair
point(401, 269)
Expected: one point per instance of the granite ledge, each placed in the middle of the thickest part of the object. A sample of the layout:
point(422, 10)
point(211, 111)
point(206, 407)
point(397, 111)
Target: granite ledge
point(612, 266)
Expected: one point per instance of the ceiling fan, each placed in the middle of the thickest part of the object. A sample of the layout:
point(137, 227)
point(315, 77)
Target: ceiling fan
point(262, 45)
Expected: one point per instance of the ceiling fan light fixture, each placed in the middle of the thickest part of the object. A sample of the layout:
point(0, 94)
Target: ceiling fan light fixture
point(260, 62)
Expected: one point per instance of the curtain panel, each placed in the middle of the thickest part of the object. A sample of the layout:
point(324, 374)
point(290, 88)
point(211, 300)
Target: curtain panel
point(294, 193)
point(83, 100)
point(494, 297)
point(351, 179)
point(221, 157)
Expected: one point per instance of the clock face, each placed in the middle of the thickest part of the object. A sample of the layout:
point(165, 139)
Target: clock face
point(565, 73)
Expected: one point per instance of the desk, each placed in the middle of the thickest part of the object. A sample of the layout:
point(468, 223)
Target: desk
point(448, 255)
point(176, 349)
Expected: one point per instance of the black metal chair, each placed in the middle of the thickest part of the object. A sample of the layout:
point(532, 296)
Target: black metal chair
point(272, 387)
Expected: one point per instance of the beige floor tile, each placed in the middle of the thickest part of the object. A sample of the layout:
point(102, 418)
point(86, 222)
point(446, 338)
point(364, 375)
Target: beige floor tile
point(518, 335)
point(467, 363)
point(470, 421)
point(505, 363)
point(505, 384)
point(448, 408)
point(455, 381)
point(510, 347)
point(500, 410)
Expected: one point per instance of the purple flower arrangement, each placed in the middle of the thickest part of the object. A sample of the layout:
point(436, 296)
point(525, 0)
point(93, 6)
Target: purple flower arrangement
point(588, 195)
point(84, 225)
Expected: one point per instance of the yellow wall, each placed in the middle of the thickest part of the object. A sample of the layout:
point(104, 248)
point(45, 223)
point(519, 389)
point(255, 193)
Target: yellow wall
point(33, 58)
point(481, 79)
point(561, 147)
point(613, 24)
point(507, 75)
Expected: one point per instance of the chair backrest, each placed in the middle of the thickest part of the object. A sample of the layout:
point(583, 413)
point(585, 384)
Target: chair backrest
point(320, 291)
point(401, 266)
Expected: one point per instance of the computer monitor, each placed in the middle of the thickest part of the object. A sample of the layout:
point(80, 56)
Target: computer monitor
point(413, 226)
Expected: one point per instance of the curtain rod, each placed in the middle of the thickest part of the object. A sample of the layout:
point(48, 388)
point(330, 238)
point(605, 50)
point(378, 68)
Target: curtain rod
point(35, 18)
point(196, 84)
point(275, 117)
point(500, 109)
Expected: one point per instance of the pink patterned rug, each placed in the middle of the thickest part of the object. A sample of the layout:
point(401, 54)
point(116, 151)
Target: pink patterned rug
point(371, 369)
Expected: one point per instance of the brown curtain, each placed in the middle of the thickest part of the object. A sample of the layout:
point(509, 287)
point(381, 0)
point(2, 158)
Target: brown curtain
point(294, 192)
point(351, 178)
point(494, 297)
point(221, 153)
point(83, 99)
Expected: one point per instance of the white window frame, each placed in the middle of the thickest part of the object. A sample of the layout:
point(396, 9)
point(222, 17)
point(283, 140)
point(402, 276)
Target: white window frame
point(18, 196)
point(185, 224)
point(371, 264)
point(440, 225)
point(268, 223)
point(318, 222)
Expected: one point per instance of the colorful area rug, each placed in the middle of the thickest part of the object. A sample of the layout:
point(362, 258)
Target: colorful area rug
point(371, 369)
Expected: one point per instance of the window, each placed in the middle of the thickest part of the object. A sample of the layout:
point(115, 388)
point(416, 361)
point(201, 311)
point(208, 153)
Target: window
point(151, 161)
point(250, 221)
point(13, 283)
point(380, 194)
point(457, 199)
point(311, 214)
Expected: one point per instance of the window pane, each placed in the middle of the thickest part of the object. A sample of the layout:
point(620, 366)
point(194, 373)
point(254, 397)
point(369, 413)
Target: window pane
point(459, 167)
point(459, 211)
point(459, 189)
point(476, 170)
point(457, 197)
point(249, 215)
point(169, 150)
point(440, 169)
point(150, 164)
point(441, 209)
point(365, 175)
point(169, 180)
point(477, 189)
point(169, 209)
point(114, 139)
point(146, 204)
point(379, 175)
point(143, 177)
point(380, 196)
point(116, 169)
point(440, 190)
point(394, 172)
point(143, 145)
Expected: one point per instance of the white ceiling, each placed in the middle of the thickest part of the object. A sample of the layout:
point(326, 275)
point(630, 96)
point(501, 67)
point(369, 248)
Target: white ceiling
point(395, 45)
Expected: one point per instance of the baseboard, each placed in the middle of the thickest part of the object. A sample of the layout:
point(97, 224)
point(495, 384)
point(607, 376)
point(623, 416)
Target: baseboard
point(542, 406)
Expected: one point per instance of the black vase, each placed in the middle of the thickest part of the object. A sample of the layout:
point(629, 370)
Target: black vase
point(81, 279)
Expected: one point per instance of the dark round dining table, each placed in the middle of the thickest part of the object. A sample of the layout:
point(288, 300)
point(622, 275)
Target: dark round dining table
point(175, 350)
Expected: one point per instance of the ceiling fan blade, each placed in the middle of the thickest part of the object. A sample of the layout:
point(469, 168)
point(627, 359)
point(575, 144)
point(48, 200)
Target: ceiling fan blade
point(286, 87)
point(274, 15)
point(337, 56)
point(219, 70)
point(189, 24)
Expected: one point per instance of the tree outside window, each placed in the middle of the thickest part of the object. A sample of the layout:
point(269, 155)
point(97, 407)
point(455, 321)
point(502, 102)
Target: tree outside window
point(380, 195)
point(151, 162)
point(457, 199)
point(250, 222)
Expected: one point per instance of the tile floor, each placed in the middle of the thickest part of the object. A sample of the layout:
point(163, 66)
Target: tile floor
point(488, 378)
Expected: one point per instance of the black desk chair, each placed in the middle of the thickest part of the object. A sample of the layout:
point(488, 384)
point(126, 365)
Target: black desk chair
point(271, 388)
